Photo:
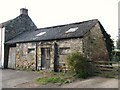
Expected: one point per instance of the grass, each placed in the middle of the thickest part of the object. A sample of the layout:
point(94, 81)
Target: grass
point(46, 80)
point(59, 78)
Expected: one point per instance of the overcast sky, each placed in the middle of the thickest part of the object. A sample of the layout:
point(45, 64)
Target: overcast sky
point(47, 13)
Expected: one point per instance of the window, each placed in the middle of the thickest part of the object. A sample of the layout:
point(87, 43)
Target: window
point(64, 50)
point(40, 34)
point(31, 50)
point(71, 30)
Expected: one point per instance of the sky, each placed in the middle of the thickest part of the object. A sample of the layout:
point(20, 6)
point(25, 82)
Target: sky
point(46, 13)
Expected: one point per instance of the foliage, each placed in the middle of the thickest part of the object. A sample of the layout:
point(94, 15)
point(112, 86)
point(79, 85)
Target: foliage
point(110, 45)
point(118, 43)
point(55, 78)
point(46, 80)
point(79, 65)
point(116, 55)
point(109, 42)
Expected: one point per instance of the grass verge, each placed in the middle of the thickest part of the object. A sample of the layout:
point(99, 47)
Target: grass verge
point(58, 78)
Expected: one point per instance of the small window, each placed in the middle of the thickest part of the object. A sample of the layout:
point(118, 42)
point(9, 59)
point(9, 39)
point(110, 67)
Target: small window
point(31, 50)
point(64, 50)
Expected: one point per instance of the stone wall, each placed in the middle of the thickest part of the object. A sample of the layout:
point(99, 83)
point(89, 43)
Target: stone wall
point(94, 45)
point(26, 52)
point(26, 56)
point(65, 47)
point(69, 46)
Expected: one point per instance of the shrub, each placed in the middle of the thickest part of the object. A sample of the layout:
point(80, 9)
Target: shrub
point(79, 65)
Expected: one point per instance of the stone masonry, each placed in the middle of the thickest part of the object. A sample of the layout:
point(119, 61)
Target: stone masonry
point(94, 46)
point(26, 56)
point(26, 59)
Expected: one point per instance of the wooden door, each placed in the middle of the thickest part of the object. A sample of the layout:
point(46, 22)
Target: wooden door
point(45, 58)
point(12, 58)
point(42, 58)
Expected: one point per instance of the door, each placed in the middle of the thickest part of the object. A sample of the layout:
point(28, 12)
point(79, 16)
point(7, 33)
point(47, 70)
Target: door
point(45, 58)
point(12, 58)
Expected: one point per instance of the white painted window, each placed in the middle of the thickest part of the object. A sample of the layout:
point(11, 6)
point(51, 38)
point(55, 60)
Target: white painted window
point(71, 30)
point(40, 34)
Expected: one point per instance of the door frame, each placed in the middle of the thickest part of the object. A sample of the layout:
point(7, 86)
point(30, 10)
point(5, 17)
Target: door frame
point(44, 54)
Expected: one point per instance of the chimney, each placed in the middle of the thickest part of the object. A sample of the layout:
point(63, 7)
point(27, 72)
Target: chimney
point(24, 11)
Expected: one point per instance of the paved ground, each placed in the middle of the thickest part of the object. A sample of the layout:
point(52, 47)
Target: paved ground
point(25, 79)
point(96, 82)
point(12, 78)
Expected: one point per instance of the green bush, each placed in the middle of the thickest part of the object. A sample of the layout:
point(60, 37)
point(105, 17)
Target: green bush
point(79, 65)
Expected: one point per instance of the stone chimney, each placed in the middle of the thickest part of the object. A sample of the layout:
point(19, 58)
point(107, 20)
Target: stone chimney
point(24, 11)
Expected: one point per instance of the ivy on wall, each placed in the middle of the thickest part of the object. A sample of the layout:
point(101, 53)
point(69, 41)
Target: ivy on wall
point(108, 40)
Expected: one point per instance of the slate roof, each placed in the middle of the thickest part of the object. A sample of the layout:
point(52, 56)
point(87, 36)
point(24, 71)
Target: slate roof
point(55, 32)
point(17, 25)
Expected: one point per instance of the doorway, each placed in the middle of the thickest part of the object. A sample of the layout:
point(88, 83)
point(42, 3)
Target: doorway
point(12, 58)
point(45, 58)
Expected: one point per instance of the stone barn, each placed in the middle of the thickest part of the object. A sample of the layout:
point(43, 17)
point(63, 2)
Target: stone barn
point(47, 48)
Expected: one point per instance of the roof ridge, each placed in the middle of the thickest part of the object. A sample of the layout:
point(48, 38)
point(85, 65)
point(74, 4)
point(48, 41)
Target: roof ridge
point(67, 24)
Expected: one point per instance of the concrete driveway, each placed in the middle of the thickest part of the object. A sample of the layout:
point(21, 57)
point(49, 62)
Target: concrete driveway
point(12, 78)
